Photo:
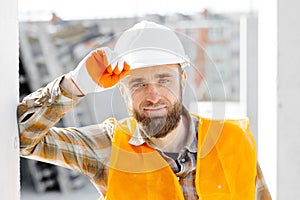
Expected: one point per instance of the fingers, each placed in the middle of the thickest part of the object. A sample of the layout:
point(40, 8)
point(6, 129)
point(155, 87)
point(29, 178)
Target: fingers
point(126, 66)
point(111, 76)
point(124, 73)
point(119, 66)
point(117, 71)
point(109, 69)
point(103, 57)
point(100, 58)
point(109, 73)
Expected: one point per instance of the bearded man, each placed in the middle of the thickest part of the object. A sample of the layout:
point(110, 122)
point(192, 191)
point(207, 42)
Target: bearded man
point(161, 151)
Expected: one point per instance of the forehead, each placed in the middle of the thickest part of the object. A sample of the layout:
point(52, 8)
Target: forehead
point(153, 72)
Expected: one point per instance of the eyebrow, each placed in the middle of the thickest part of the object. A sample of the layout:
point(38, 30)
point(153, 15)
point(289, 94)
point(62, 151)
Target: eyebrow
point(163, 75)
point(137, 80)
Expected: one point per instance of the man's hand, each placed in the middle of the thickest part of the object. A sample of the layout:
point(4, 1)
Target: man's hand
point(95, 72)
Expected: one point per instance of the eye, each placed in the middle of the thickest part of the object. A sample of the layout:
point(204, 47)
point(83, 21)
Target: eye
point(138, 85)
point(163, 81)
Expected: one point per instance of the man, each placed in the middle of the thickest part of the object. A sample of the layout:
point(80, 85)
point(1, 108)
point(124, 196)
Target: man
point(161, 151)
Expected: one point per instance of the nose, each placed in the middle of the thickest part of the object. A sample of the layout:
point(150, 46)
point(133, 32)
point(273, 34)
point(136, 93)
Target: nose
point(153, 94)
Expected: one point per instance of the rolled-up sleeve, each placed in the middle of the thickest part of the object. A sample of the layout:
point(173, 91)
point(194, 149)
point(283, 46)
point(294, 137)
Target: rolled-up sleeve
point(85, 149)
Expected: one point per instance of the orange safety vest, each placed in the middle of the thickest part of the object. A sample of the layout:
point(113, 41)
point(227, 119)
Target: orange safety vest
point(226, 165)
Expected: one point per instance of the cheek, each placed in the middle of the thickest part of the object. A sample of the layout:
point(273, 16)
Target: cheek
point(135, 100)
point(167, 94)
point(132, 100)
point(129, 102)
point(172, 93)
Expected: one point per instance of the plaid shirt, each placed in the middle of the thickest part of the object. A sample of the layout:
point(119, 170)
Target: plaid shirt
point(87, 149)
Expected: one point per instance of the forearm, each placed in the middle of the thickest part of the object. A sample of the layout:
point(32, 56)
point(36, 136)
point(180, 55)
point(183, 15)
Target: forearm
point(83, 149)
point(41, 110)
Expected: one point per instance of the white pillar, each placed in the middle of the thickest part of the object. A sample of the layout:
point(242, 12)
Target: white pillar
point(279, 96)
point(9, 142)
point(267, 92)
point(288, 99)
point(248, 69)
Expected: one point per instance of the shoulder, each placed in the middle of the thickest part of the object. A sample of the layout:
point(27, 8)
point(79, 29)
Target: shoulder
point(112, 125)
point(226, 130)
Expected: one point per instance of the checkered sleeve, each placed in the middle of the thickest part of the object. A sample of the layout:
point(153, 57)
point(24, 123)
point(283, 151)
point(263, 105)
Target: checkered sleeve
point(84, 149)
point(261, 186)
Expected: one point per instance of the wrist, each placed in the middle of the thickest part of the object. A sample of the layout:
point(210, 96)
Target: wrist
point(81, 78)
point(69, 87)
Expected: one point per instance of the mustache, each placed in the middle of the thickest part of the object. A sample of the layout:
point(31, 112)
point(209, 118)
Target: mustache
point(154, 105)
point(159, 127)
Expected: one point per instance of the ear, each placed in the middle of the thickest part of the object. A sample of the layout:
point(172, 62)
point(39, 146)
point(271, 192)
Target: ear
point(124, 94)
point(183, 79)
point(126, 98)
point(121, 88)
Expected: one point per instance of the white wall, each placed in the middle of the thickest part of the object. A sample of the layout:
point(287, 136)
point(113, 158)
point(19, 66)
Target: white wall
point(9, 143)
point(288, 99)
point(279, 96)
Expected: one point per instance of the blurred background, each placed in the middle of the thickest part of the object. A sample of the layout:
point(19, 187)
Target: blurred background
point(219, 37)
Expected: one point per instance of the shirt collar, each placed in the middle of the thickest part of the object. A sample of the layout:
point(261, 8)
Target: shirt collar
point(139, 139)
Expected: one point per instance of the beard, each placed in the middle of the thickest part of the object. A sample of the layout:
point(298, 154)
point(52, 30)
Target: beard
point(159, 126)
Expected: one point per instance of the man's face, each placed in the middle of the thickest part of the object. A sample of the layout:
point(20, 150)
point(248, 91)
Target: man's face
point(154, 96)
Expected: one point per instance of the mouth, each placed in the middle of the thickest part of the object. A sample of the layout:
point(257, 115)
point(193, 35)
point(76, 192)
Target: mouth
point(160, 110)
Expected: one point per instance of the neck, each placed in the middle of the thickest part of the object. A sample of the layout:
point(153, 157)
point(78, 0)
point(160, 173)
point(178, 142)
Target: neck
point(174, 141)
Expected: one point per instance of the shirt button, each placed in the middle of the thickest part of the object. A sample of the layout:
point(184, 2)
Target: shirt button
point(219, 187)
point(55, 93)
point(49, 100)
point(182, 160)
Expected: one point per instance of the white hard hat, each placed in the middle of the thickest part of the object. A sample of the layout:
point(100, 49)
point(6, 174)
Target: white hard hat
point(149, 44)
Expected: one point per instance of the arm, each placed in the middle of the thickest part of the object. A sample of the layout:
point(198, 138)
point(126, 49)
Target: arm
point(261, 186)
point(39, 140)
point(83, 149)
